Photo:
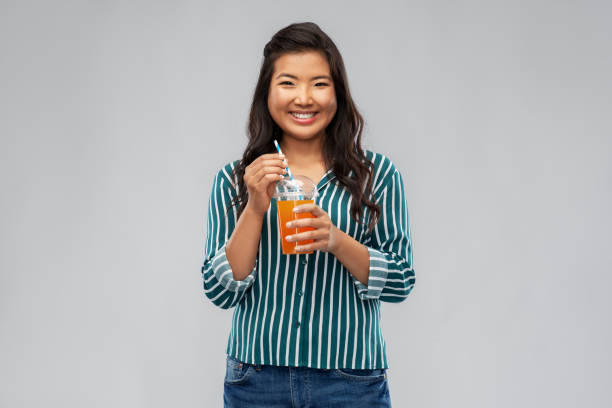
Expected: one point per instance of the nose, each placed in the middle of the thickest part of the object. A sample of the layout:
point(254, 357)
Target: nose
point(303, 95)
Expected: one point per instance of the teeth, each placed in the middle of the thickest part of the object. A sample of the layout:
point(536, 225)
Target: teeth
point(303, 115)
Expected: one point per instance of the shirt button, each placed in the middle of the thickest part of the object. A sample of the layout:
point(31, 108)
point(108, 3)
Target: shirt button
point(298, 324)
point(304, 261)
point(300, 293)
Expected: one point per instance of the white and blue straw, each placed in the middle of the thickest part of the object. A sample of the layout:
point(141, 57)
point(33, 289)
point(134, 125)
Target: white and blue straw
point(287, 168)
point(280, 152)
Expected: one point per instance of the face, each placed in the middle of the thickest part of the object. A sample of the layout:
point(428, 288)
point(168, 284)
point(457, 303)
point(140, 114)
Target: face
point(302, 98)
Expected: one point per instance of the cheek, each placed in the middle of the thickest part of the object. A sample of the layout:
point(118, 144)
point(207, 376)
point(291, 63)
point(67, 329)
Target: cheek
point(273, 107)
point(271, 101)
point(277, 102)
point(332, 106)
point(330, 101)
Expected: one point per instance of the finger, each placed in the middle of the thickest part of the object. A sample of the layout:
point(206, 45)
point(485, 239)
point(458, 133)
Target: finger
point(306, 222)
point(266, 180)
point(269, 156)
point(311, 208)
point(266, 157)
point(315, 246)
point(259, 176)
point(305, 236)
point(257, 173)
point(263, 177)
point(269, 170)
point(260, 171)
point(258, 165)
point(274, 163)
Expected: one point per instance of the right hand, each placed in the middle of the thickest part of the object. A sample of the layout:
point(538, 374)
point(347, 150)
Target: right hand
point(260, 178)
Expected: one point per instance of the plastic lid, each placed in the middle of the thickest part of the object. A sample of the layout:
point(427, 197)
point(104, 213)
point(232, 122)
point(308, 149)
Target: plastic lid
point(300, 188)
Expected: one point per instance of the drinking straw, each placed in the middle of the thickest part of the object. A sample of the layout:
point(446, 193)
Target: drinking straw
point(280, 152)
point(287, 168)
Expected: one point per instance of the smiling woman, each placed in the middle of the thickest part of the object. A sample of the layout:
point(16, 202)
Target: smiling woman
point(306, 325)
point(302, 98)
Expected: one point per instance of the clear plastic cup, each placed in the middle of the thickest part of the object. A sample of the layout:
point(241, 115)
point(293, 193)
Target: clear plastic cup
point(289, 194)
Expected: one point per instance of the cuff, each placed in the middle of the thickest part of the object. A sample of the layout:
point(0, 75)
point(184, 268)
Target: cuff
point(225, 276)
point(377, 276)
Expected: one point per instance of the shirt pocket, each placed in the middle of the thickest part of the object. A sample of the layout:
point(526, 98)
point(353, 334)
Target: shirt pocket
point(236, 371)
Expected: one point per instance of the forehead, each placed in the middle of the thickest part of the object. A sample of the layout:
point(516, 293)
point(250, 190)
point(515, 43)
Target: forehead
point(302, 64)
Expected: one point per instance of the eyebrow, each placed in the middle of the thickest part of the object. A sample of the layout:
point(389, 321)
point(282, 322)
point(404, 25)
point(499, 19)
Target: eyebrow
point(312, 79)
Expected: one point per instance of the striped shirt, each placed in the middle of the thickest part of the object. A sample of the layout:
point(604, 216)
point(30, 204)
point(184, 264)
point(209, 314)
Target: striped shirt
point(308, 310)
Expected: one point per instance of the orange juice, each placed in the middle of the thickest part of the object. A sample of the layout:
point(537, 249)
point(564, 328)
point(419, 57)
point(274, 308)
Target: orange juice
point(284, 209)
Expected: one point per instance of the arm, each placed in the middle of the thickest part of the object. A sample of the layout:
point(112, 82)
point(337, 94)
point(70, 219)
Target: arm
point(230, 266)
point(381, 267)
point(391, 274)
point(241, 249)
point(219, 283)
point(353, 255)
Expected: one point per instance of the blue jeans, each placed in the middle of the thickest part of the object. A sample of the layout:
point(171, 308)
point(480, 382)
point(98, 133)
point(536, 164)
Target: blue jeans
point(254, 386)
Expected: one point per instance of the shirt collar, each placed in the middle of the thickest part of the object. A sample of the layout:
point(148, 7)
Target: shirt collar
point(327, 177)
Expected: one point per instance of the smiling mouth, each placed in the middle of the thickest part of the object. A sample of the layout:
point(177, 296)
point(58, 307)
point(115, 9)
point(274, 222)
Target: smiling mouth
point(303, 115)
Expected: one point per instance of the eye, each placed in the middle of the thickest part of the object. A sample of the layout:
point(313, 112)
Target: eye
point(322, 83)
point(286, 83)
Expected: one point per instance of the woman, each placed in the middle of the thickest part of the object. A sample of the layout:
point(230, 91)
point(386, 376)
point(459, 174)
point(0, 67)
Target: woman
point(305, 329)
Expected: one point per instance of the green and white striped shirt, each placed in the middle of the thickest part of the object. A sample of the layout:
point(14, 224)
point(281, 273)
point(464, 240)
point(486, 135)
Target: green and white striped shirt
point(308, 310)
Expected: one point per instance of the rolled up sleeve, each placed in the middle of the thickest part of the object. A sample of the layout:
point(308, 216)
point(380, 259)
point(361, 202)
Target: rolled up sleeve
point(219, 285)
point(391, 277)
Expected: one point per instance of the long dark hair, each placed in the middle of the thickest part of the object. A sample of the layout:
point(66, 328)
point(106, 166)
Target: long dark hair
point(342, 149)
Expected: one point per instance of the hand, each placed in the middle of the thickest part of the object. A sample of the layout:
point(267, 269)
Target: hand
point(325, 235)
point(260, 178)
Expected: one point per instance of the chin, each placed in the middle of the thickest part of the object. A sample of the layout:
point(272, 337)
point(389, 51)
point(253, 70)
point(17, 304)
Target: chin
point(302, 136)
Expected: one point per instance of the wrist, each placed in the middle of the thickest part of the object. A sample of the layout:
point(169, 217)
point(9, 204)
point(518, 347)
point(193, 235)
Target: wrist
point(339, 242)
point(253, 212)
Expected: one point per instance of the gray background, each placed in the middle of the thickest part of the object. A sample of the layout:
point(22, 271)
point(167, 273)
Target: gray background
point(115, 115)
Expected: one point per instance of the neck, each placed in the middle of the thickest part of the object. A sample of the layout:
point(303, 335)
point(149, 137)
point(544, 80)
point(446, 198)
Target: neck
point(302, 153)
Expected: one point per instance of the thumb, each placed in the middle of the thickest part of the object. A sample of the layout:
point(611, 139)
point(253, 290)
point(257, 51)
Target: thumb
point(271, 189)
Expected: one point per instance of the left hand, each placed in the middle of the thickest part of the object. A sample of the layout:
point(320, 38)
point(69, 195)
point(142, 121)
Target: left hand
point(325, 235)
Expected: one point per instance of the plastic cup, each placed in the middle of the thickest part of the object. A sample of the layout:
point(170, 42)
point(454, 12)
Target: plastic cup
point(289, 194)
